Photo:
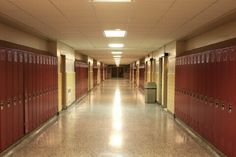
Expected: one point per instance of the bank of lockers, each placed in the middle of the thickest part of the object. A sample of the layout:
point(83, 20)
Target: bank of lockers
point(81, 70)
point(205, 95)
point(28, 93)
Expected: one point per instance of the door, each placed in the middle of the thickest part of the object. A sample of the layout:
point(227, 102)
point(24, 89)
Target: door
point(63, 72)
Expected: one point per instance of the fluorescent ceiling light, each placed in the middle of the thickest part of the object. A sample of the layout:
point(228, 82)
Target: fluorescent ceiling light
point(116, 52)
point(111, 0)
point(118, 45)
point(115, 33)
point(117, 56)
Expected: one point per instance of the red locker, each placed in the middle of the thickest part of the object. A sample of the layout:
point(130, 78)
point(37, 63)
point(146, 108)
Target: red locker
point(55, 102)
point(41, 89)
point(191, 74)
point(26, 92)
point(30, 91)
point(47, 88)
point(230, 105)
point(15, 96)
point(3, 113)
point(34, 102)
point(217, 112)
point(20, 94)
point(37, 92)
point(209, 110)
point(9, 96)
point(223, 93)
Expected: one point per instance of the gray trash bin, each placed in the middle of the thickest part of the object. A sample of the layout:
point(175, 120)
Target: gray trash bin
point(150, 92)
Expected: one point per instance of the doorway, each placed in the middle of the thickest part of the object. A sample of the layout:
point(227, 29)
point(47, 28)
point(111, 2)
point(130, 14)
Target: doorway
point(63, 86)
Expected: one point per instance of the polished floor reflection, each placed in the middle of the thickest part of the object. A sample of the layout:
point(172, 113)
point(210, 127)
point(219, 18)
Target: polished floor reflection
point(113, 121)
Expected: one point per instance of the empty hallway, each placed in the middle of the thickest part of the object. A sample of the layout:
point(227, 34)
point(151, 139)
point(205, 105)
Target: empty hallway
point(113, 121)
point(120, 78)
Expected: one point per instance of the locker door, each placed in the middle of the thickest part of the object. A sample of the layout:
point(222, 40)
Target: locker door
point(34, 83)
point(230, 105)
point(3, 113)
point(9, 94)
point(191, 91)
point(21, 94)
point(223, 96)
point(202, 94)
point(47, 90)
point(56, 85)
point(30, 89)
point(15, 96)
point(41, 89)
point(209, 116)
point(217, 111)
point(37, 92)
point(26, 92)
point(194, 102)
point(50, 88)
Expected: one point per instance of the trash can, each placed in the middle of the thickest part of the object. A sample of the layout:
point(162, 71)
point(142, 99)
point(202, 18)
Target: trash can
point(150, 92)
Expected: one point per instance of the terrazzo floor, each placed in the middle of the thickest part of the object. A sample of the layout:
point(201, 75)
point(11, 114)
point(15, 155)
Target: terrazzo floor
point(113, 121)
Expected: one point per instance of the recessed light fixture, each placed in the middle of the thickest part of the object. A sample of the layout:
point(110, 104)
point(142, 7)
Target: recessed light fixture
point(111, 0)
point(115, 33)
point(117, 56)
point(117, 45)
point(116, 52)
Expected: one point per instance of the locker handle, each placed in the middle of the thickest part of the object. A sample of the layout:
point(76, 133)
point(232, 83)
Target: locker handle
point(217, 104)
point(8, 103)
point(1, 105)
point(230, 108)
point(223, 106)
point(201, 98)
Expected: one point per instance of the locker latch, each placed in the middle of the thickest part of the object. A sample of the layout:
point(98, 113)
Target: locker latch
point(14, 101)
point(222, 106)
point(1, 105)
point(217, 104)
point(8, 103)
point(230, 108)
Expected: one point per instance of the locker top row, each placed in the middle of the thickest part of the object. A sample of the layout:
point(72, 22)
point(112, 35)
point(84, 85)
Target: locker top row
point(16, 55)
point(211, 56)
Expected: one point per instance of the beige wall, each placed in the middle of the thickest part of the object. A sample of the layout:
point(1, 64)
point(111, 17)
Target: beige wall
point(22, 38)
point(219, 34)
point(63, 49)
point(171, 50)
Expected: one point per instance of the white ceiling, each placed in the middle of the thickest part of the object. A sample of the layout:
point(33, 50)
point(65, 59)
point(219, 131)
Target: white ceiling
point(149, 23)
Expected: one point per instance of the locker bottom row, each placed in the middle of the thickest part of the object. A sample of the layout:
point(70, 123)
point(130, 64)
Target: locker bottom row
point(20, 117)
